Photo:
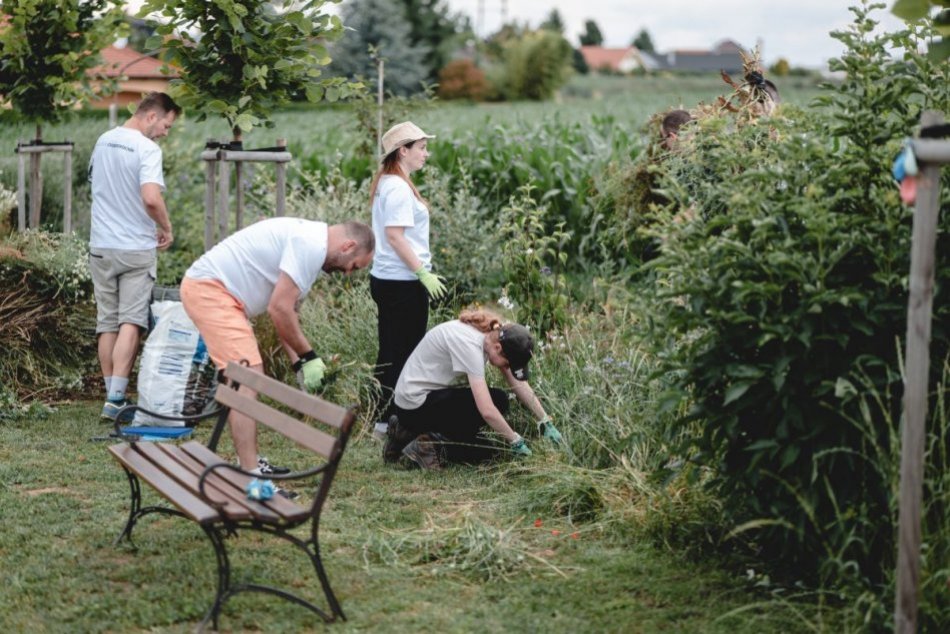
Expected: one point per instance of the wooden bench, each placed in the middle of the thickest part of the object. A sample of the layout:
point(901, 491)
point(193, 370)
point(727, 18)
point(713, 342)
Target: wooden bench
point(204, 488)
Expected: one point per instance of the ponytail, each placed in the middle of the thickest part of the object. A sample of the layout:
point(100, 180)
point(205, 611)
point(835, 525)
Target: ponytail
point(481, 319)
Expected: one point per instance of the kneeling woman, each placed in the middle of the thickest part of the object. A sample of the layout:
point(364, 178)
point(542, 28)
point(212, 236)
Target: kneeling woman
point(436, 419)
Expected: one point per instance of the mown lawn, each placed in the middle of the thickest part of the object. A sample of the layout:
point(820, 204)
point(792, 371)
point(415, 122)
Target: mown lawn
point(63, 500)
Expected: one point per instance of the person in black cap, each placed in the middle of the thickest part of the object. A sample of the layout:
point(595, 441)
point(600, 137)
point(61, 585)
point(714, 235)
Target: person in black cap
point(437, 420)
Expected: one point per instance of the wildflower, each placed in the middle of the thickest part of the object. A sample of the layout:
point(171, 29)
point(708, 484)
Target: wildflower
point(537, 523)
point(545, 270)
point(555, 532)
point(575, 535)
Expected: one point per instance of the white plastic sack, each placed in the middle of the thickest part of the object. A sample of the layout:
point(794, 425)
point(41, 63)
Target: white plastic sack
point(176, 375)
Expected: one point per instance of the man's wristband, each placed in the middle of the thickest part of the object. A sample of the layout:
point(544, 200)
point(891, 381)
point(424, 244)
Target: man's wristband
point(309, 355)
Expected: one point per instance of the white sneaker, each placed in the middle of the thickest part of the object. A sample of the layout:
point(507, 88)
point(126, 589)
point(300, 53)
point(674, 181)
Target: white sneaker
point(380, 430)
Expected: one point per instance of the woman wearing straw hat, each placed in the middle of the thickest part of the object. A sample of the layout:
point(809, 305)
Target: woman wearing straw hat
point(439, 421)
point(401, 280)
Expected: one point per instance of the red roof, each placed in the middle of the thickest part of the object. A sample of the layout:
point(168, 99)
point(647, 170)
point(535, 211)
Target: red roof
point(127, 61)
point(600, 57)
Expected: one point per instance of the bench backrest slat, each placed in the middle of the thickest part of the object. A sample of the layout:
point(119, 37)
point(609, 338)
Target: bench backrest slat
point(301, 433)
point(317, 408)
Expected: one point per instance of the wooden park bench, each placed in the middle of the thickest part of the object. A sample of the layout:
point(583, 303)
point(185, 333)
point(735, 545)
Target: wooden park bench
point(204, 488)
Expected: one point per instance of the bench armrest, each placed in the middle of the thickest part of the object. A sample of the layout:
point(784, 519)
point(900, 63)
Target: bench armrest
point(192, 418)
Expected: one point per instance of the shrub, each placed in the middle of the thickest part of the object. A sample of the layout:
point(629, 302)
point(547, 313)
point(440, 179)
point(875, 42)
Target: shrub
point(461, 79)
point(789, 284)
point(535, 65)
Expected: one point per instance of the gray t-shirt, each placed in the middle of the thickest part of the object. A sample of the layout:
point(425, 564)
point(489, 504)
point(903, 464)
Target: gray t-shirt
point(445, 355)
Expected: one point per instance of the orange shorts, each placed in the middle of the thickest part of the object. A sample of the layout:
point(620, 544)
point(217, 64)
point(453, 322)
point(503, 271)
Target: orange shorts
point(221, 320)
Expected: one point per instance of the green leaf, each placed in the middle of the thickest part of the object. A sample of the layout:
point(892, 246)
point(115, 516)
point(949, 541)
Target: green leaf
point(735, 391)
point(217, 105)
point(246, 122)
point(911, 9)
point(154, 42)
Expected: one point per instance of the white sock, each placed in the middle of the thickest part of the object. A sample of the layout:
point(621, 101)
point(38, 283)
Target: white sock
point(256, 471)
point(108, 381)
point(117, 388)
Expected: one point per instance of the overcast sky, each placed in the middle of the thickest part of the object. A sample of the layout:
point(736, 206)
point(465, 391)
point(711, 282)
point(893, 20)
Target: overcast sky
point(794, 29)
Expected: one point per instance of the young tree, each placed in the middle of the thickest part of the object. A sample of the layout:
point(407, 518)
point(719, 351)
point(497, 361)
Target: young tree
point(46, 47)
point(381, 24)
point(553, 22)
point(591, 35)
point(644, 42)
point(242, 60)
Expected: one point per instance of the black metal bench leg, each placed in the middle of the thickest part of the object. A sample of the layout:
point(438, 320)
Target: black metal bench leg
point(224, 577)
point(324, 581)
point(134, 507)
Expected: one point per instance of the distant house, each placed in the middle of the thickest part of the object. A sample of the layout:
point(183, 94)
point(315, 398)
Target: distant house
point(614, 60)
point(136, 74)
point(725, 56)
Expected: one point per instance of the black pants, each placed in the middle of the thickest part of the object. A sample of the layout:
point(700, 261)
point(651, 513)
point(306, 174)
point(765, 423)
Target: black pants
point(452, 412)
point(402, 317)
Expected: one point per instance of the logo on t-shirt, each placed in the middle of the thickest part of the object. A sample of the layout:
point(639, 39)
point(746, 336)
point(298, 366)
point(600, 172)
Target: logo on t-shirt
point(121, 147)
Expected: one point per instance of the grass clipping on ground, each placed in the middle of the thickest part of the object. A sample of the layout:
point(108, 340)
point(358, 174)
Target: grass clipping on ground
point(460, 543)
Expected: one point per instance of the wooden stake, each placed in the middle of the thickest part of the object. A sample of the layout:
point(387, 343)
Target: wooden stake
point(21, 191)
point(919, 315)
point(68, 192)
point(239, 195)
point(209, 159)
point(281, 167)
point(224, 185)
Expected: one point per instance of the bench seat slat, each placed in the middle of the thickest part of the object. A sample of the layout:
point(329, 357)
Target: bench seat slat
point(288, 510)
point(312, 406)
point(167, 458)
point(191, 505)
point(303, 434)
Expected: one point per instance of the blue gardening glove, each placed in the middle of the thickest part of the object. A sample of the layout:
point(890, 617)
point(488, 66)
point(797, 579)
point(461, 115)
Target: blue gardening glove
point(547, 430)
point(520, 448)
point(434, 284)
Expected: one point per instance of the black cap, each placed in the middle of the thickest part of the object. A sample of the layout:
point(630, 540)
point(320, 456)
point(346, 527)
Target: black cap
point(518, 346)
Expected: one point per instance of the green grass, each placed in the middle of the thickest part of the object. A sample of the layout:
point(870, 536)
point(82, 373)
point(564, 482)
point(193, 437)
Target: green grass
point(63, 500)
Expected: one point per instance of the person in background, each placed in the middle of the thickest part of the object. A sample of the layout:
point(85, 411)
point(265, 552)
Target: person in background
point(269, 267)
point(129, 222)
point(437, 420)
point(670, 126)
point(765, 95)
point(401, 280)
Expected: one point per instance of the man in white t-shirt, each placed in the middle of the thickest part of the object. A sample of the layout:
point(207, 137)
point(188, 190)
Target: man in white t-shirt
point(267, 267)
point(129, 221)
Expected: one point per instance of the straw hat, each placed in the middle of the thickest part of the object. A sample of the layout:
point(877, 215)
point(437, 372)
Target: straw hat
point(401, 134)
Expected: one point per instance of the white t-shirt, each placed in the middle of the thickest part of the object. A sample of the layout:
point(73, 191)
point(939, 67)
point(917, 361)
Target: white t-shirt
point(249, 262)
point(445, 355)
point(394, 205)
point(122, 161)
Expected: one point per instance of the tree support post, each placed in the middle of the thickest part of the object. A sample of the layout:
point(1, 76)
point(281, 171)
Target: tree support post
point(217, 157)
point(931, 154)
point(35, 150)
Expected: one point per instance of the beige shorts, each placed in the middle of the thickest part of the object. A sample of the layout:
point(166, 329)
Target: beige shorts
point(221, 320)
point(122, 281)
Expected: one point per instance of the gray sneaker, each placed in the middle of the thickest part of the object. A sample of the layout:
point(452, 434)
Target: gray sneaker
point(110, 411)
point(426, 451)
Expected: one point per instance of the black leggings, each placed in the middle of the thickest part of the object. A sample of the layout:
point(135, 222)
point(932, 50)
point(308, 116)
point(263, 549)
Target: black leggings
point(452, 412)
point(403, 314)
